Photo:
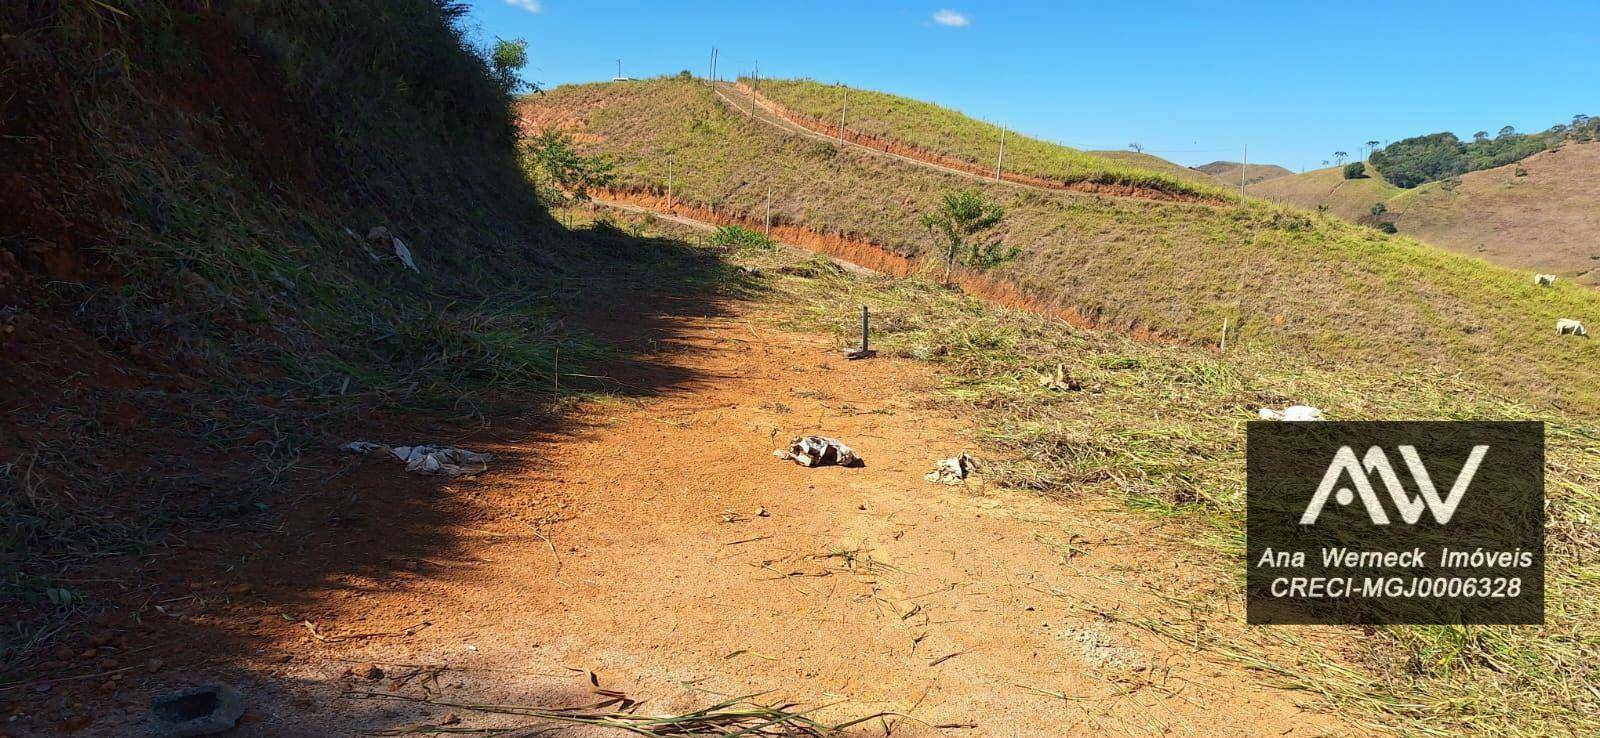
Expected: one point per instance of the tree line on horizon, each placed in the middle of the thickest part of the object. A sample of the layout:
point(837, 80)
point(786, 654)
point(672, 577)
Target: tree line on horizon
point(1418, 160)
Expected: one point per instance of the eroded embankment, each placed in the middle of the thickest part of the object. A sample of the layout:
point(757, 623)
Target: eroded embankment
point(880, 258)
point(908, 151)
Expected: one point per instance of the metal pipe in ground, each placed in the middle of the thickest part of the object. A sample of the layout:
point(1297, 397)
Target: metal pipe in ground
point(866, 331)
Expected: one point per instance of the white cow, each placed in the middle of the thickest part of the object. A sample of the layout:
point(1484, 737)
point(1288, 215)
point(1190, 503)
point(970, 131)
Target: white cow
point(1544, 280)
point(1565, 326)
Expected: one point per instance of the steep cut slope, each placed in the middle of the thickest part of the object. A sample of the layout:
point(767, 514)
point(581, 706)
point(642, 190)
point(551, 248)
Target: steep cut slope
point(1285, 280)
point(191, 303)
point(1226, 173)
point(1538, 214)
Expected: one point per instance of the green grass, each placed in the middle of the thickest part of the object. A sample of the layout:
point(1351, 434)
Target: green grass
point(1311, 291)
point(1161, 428)
point(1535, 214)
point(1347, 198)
point(949, 132)
point(1151, 162)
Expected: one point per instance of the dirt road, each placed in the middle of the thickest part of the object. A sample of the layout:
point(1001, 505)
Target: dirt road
point(658, 543)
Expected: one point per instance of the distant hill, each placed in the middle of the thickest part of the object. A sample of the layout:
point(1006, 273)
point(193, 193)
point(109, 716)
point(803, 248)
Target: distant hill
point(1438, 156)
point(1157, 164)
point(1227, 172)
point(1347, 198)
point(1541, 213)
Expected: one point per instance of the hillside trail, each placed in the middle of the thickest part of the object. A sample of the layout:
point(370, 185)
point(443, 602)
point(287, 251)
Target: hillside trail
point(731, 95)
point(739, 98)
point(659, 545)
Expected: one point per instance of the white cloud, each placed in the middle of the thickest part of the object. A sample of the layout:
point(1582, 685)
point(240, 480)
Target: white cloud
point(947, 18)
point(532, 6)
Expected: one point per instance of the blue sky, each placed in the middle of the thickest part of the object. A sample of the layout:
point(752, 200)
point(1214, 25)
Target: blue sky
point(1191, 81)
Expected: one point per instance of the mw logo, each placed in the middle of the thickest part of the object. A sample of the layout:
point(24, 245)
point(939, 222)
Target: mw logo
point(1376, 461)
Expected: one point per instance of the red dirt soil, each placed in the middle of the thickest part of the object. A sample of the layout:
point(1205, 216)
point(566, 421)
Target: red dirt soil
point(908, 151)
point(657, 543)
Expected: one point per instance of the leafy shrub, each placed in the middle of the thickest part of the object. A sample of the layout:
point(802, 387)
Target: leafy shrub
point(961, 217)
point(739, 237)
point(1355, 170)
point(560, 173)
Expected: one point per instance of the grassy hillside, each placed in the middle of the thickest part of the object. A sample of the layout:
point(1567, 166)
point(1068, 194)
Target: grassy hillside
point(1538, 214)
point(948, 132)
point(1156, 164)
point(1286, 280)
point(1226, 173)
point(1542, 213)
point(1347, 198)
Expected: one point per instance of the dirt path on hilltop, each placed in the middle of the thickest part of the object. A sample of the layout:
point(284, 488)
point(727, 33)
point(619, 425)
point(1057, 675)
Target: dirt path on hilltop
point(739, 97)
point(660, 545)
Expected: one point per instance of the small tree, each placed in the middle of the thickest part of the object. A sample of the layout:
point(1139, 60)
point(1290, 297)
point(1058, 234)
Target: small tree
point(1355, 170)
point(960, 218)
point(507, 58)
point(1339, 157)
point(1136, 148)
point(562, 175)
point(1372, 145)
